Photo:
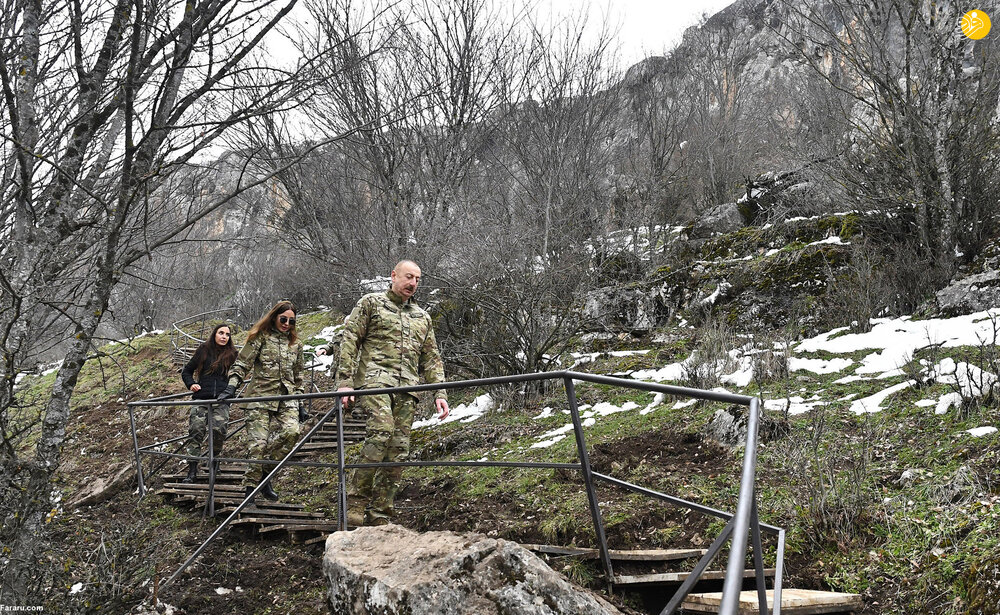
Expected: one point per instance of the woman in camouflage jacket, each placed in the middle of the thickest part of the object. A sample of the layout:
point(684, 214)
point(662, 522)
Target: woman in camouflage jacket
point(272, 357)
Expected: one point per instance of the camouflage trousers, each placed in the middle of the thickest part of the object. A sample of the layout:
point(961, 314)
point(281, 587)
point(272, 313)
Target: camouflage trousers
point(387, 438)
point(198, 428)
point(273, 429)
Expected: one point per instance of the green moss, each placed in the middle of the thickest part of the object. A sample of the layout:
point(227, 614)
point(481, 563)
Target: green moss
point(792, 269)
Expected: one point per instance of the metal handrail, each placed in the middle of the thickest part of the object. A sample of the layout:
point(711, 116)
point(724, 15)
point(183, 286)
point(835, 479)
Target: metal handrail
point(741, 526)
point(177, 330)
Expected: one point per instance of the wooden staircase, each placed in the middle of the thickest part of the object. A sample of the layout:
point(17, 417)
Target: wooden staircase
point(263, 517)
point(664, 582)
point(793, 602)
point(324, 441)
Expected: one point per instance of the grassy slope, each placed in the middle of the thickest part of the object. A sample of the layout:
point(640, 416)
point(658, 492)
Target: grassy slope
point(929, 544)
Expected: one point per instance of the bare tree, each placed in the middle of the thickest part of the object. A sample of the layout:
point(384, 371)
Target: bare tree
point(102, 103)
point(919, 100)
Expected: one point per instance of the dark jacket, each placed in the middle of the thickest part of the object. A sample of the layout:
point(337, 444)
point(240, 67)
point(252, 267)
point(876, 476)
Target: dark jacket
point(212, 382)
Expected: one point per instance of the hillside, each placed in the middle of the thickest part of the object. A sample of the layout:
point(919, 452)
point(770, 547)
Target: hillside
point(879, 454)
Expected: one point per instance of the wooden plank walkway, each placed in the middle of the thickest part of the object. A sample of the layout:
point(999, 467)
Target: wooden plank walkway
point(640, 555)
point(667, 578)
point(793, 602)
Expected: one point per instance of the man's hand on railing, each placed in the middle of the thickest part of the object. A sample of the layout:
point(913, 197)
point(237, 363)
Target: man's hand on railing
point(442, 407)
point(195, 387)
point(347, 400)
point(227, 393)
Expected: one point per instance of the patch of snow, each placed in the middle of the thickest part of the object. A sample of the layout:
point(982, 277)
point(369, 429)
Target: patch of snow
point(76, 589)
point(547, 443)
point(835, 240)
point(684, 404)
point(947, 401)
point(721, 288)
point(895, 340)
point(818, 366)
point(52, 368)
point(977, 432)
point(544, 414)
point(657, 400)
point(923, 403)
point(793, 405)
point(674, 371)
point(464, 412)
point(222, 591)
point(849, 379)
point(873, 403)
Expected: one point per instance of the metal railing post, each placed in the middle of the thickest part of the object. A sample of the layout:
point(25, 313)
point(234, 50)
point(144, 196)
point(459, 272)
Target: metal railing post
point(138, 458)
point(692, 578)
point(758, 558)
point(588, 479)
point(210, 505)
point(741, 519)
point(341, 472)
point(779, 565)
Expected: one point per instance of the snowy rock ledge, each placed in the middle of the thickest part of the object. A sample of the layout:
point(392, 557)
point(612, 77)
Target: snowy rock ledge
point(393, 570)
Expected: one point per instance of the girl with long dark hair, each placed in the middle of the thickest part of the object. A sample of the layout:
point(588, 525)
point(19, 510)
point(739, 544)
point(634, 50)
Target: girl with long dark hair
point(205, 375)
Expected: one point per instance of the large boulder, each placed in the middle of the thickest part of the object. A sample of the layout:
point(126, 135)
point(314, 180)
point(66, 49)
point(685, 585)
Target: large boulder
point(390, 570)
point(717, 220)
point(613, 308)
point(976, 293)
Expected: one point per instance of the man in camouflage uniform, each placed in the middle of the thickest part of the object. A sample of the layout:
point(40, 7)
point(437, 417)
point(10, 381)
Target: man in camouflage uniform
point(277, 369)
point(389, 342)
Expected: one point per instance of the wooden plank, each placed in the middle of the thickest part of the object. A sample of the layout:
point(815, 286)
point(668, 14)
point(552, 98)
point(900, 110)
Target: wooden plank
point(639, 555)
point(297, 528)
point(320, 538)
point(199, 487)
point(793, 602)
point(251, 510)
point(678, 577)
point(279, 521)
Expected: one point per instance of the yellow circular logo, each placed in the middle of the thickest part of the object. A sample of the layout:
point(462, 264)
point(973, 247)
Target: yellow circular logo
point(976, 24)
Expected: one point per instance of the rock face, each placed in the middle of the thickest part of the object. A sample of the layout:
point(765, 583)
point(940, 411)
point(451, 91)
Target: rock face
point(619, 309)
point(716, 220)
point(729, 427)
point(391, 570)
point(103, 488)
point(975, 293)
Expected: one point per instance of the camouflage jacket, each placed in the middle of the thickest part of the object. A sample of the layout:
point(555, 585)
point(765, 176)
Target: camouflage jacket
point(275, 366)
point(389, 343)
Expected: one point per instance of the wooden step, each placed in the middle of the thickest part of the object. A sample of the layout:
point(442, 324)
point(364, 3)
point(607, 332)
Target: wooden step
point(641, 555)
point(199, 488)
point(793, 602)
point(254, 511)
point(296, 527)
point(323, 524)
point(668, 578)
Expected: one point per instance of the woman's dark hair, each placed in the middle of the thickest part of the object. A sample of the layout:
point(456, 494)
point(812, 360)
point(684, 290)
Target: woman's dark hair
point(266, 322)
point(211, 357)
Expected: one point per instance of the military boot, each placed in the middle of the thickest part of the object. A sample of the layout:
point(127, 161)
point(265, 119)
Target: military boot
point(192, 472)
point(355, 512)
point(266, 489)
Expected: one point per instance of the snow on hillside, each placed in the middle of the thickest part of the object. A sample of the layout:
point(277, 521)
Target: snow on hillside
point(892, 343)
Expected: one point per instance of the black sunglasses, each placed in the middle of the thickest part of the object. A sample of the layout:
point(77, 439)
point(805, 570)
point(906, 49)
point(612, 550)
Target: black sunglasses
point(285, 320)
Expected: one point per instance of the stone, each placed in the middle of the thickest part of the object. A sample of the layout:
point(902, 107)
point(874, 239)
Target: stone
point(728, 427)
point(391, 570)
point(976, 293)
point(717, 220)
point(613, 308)
point(104, 488)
